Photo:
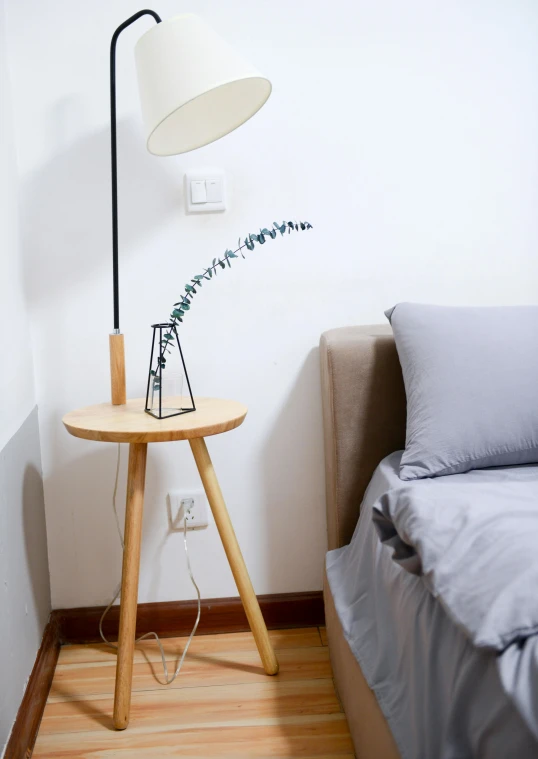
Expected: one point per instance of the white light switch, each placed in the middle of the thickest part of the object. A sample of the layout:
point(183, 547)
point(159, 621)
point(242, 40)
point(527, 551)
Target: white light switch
point(198, 191)
point(213, 190)
point(205, 191)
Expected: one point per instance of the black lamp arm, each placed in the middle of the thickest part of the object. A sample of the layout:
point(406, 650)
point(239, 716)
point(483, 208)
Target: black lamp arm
point(113, 146)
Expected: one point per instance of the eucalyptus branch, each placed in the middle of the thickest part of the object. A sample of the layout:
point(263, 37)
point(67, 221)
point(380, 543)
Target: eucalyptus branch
point(184, 305)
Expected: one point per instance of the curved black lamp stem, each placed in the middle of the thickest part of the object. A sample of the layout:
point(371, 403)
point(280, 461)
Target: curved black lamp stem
point(115, 277)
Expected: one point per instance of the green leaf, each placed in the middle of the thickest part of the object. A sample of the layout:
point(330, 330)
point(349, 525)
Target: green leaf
point(152, 372)
point(248, 243)
point(169, 336)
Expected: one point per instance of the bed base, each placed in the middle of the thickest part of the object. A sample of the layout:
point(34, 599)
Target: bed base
point(364, 420)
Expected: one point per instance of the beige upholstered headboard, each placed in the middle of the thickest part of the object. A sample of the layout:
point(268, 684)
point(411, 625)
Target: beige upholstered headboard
point(363, 417)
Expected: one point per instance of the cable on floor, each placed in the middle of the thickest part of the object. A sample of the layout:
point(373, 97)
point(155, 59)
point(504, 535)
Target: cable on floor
point(168, 679)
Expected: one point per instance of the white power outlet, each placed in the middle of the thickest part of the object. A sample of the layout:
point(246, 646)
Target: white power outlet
point(193, 505)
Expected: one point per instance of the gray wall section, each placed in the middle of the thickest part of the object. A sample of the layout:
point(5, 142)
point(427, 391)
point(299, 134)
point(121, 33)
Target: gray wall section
point(24, 571)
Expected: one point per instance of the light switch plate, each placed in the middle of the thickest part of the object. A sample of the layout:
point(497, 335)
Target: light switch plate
point(205, 182)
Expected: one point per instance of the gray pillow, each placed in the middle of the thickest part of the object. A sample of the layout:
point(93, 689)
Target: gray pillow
point(471, 380)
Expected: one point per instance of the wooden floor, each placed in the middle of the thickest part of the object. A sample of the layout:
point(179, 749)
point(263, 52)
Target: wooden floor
point(221, 705)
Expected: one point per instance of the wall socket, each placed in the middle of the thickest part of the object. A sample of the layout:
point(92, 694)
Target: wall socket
point(193, 504)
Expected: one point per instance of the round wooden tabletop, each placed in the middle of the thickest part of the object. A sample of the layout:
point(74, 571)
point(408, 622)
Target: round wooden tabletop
point(131, 424)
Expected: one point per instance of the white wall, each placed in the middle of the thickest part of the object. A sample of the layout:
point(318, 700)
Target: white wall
point(405, 132)
point(24, 576)
point(17, 374)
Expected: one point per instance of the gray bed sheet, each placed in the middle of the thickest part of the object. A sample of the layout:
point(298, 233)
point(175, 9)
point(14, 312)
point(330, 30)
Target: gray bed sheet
point(442, 697)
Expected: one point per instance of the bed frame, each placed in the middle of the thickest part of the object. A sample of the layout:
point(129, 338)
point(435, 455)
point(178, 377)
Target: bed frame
point(364, 420)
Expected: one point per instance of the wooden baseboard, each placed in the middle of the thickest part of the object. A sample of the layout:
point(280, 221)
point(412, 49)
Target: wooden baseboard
point(24, 733)
point(175, 618)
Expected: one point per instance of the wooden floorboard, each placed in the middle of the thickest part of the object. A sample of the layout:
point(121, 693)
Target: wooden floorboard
point(221, 705)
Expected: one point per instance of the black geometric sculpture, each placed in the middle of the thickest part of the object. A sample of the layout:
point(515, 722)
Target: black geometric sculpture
point(154, 392)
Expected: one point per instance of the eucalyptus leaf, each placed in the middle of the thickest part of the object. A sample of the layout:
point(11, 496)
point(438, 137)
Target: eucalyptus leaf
point(190, 289)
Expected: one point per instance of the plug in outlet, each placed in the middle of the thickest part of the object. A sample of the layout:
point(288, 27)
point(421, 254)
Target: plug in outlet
point(193, 505)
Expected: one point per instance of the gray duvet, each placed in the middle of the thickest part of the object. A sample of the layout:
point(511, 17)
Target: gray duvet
point(474, 540)
point(442, 615)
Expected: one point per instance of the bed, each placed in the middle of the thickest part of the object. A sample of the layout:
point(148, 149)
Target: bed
point(411, 683)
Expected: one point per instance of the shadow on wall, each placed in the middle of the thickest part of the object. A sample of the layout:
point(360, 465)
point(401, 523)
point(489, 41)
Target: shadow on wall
point(295, 445)
point(35, 542)
point(79, 496)
point(66, 211)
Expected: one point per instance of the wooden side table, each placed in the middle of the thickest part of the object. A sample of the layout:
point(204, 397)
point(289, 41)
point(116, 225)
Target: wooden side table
point(130, 424)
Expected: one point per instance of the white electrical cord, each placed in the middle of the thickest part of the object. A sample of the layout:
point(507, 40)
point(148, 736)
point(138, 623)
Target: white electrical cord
point(168, 680)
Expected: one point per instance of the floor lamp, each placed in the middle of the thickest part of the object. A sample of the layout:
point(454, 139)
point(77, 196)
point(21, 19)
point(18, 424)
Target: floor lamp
point(194, 89)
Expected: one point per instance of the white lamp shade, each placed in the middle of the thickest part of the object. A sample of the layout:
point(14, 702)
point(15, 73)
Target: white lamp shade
point(194, 87)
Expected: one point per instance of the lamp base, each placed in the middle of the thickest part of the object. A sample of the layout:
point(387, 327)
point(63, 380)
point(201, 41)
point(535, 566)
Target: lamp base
point(117, 370)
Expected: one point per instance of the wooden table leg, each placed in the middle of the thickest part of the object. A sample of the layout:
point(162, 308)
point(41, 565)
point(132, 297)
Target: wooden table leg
point(129, 583)
point(233, 552)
